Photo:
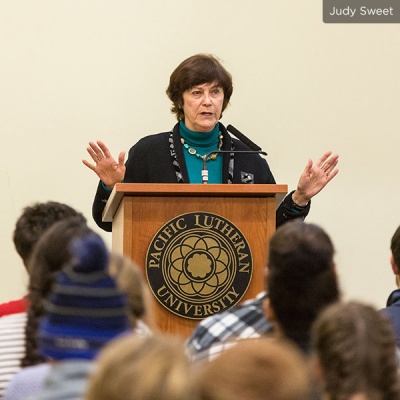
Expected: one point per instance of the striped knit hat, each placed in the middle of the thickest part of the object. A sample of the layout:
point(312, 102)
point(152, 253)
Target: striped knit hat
point(85, 308)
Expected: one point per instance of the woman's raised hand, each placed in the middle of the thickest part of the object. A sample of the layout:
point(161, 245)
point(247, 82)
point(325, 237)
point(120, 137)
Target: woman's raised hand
point(315, 177)
point(105, 166)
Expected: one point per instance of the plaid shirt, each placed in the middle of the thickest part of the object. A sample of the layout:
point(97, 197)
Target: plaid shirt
point(243, 321)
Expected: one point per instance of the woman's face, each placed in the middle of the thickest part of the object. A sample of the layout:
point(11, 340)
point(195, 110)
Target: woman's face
point(202, 106)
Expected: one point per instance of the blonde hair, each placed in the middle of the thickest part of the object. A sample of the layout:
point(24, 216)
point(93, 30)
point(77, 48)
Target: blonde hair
point(256, 369)
point(142, 367)
point(130, 280)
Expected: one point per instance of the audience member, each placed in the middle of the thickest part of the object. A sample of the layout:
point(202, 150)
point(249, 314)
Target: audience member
point(12, 347)
point(256, 369)
point(142, 367)
point(392, 310)
point(51, 253)
point(42, 274)
point(243, 321)
point(31, 225)
point(300, 281)
point(355, 353)
point(84, 310)
point(128, 278)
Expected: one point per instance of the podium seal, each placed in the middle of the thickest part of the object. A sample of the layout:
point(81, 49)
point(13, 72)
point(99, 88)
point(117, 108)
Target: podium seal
point(198, 264)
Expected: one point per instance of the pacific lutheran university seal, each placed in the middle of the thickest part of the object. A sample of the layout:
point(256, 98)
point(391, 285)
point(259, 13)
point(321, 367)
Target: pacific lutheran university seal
point(198, 264)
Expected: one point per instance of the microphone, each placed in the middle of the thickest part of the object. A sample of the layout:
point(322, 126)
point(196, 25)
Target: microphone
point(243, 138)
point(204, 171)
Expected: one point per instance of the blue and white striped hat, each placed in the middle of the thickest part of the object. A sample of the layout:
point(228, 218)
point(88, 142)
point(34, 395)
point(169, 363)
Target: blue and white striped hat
point(85, 308)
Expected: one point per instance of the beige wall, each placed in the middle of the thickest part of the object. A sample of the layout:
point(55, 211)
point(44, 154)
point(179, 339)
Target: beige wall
point(73, 71)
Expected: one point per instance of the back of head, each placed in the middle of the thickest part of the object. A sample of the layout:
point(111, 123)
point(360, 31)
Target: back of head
point(129, 279)
point(85, 308)
point(197, 70)
point(50, 254)
point(355, 346)
point(301, 279)
point(142, 367)
point(255, 369)
point(395, 246)
point(35, 220)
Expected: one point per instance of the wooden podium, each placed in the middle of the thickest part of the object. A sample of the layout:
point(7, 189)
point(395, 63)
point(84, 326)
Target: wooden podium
point(147, 215)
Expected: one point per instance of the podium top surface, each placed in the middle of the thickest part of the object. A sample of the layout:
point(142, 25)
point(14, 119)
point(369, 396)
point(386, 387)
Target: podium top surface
point(189, 190)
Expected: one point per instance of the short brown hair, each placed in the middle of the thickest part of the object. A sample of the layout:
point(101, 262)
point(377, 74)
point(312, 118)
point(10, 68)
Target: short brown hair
point(197, 70)
point(301, 279)
point(395, 246)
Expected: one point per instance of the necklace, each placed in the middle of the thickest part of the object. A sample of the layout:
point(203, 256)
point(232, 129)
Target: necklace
point(193, 151)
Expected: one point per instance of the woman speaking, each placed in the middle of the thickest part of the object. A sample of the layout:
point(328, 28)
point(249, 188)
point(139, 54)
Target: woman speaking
point(200, 89)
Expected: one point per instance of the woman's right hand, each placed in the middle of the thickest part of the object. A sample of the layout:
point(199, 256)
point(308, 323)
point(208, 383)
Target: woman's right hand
point(105, 166)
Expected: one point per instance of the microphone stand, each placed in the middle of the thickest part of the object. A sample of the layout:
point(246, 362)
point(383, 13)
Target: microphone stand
point(204, 171)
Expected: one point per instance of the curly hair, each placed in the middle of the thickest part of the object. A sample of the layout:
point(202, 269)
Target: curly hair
point(356, 349)
point(34, 221)
point(197, 70)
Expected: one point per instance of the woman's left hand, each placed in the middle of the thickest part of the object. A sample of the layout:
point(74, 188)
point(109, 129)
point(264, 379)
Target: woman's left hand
point(315, 177)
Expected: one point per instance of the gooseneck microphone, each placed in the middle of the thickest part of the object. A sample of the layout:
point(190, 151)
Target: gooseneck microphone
point(204, 171)
point(255, 149)
point(251, 145)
